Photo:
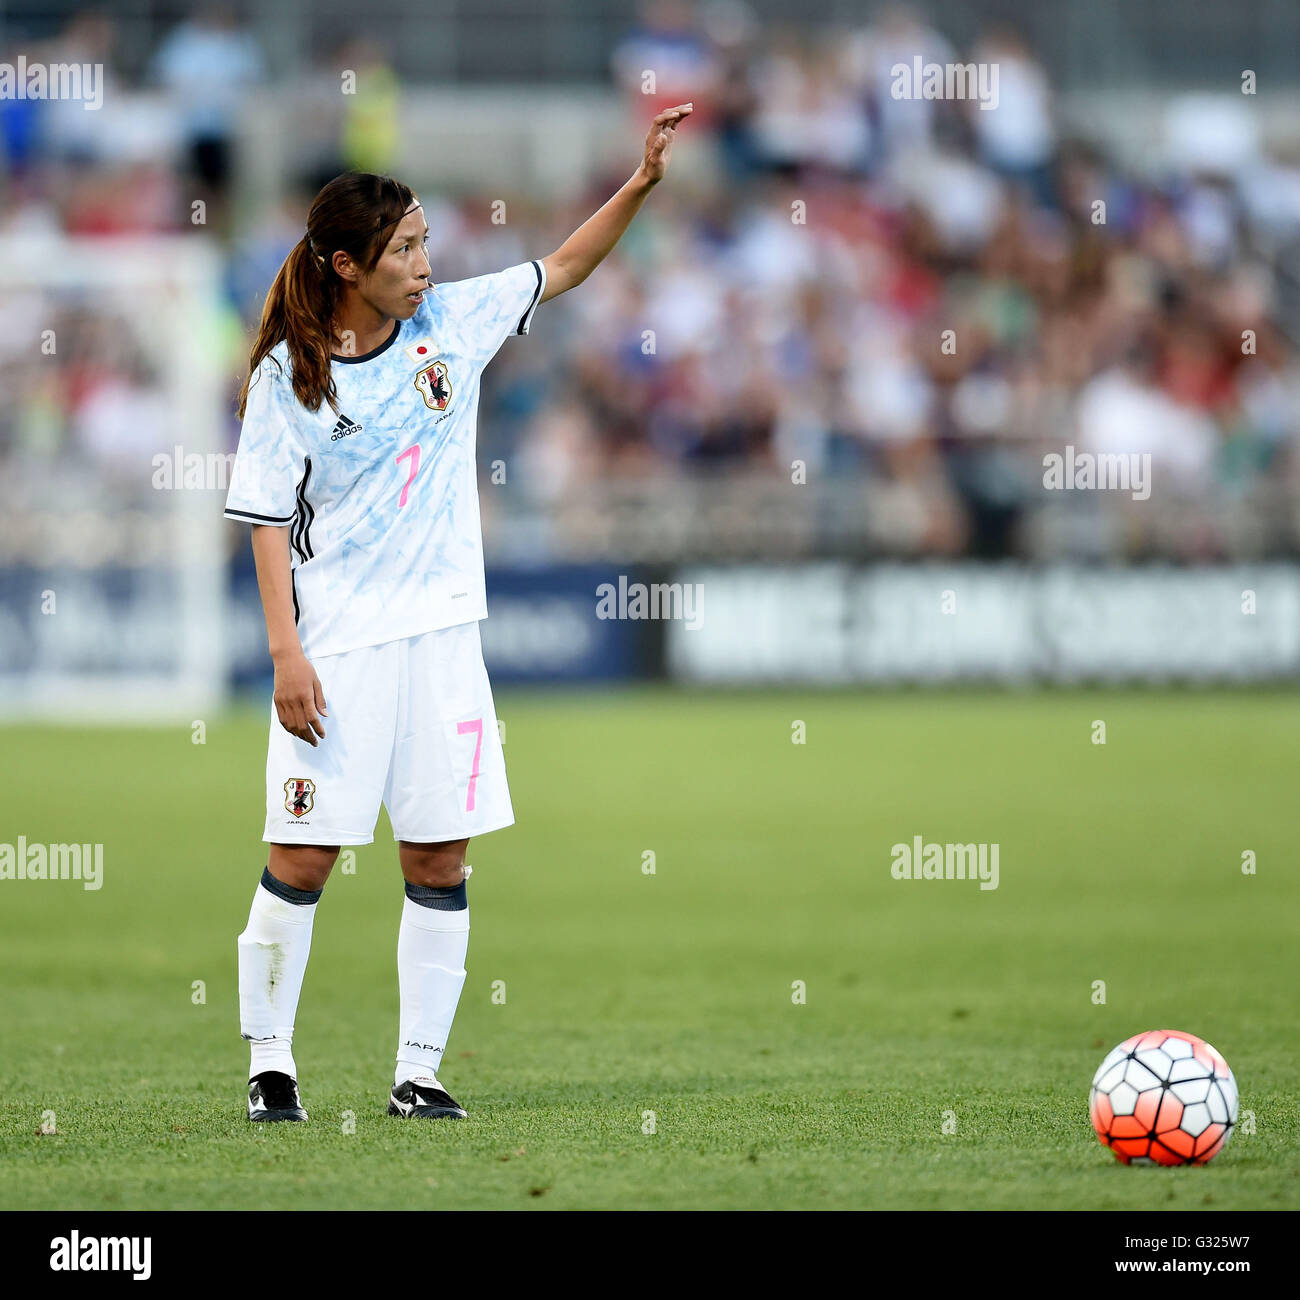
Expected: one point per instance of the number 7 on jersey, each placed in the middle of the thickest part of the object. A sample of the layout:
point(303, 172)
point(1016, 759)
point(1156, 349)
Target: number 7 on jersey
point(413, 454)
point(475, 729)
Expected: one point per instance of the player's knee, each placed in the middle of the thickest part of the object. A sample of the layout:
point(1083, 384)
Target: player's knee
point(437, 866)
point(303, 866)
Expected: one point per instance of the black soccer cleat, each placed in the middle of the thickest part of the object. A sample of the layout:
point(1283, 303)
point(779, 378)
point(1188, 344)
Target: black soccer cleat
point(423, 1099)
point(274, 1096)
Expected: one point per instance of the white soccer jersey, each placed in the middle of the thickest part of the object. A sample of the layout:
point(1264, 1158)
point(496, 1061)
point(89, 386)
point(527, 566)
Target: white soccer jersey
point(381, 499)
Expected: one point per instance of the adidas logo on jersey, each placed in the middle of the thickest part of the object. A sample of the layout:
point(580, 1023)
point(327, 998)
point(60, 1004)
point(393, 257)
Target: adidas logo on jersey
point(345, 428)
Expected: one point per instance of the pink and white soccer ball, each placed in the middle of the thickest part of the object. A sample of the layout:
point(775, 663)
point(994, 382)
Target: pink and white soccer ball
point(1164, 1098)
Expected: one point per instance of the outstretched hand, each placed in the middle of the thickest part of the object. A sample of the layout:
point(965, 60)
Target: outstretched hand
point(659, 143)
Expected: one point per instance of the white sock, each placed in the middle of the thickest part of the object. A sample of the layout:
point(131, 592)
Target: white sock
point(273, 953)
point(431, 946)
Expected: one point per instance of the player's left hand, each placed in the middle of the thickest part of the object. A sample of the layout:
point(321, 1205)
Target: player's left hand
point(659, 143)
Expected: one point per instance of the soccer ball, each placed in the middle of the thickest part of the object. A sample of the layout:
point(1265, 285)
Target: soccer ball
point(1164, 1098)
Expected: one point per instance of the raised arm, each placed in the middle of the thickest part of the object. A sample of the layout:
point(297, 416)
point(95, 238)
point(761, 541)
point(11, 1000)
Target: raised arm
point(590, 244)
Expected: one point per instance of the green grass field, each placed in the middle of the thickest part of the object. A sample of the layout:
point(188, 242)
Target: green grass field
point(671, 993)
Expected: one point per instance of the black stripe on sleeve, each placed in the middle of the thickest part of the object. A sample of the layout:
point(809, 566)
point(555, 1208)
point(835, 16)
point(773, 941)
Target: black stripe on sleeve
point(310, 515)
point(537, 293)
point(303, 517)
point(293, 534)
point(258, 519)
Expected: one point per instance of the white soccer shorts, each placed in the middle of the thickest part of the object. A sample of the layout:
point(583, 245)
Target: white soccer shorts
point(411, 724)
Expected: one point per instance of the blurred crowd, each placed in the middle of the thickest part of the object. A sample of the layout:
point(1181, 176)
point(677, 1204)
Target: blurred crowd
point(924, 295)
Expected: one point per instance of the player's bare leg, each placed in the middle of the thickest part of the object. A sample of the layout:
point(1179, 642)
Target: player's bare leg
point(273, 952)
point(435, 866)
point(302, 866)
point(431, 946)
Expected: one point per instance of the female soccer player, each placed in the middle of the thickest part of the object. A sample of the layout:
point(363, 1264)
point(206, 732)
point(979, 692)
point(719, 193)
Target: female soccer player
point(356, 470)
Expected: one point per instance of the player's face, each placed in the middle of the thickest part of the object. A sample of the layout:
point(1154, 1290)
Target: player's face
point(402, 274)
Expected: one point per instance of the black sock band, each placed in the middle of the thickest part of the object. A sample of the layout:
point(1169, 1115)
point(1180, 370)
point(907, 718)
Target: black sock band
point(299, 897)
point(441, 900)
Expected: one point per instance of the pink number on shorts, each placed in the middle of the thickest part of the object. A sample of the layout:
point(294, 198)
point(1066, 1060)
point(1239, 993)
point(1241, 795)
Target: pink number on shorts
point(413, 451)
point(464, 728)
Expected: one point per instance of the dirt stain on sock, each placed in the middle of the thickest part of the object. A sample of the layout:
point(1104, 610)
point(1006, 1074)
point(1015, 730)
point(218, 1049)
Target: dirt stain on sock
point(275, 969)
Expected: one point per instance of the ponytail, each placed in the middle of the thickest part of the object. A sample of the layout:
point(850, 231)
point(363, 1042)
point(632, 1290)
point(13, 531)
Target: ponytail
point(299, 310)
point(355, 212)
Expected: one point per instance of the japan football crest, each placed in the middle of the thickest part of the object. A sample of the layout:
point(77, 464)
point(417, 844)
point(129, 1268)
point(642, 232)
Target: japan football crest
point(434, 385)
point(299, 796)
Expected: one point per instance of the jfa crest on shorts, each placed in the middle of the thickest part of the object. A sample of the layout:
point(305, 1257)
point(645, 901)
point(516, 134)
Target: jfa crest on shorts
point(299, 794)
point(410, 724)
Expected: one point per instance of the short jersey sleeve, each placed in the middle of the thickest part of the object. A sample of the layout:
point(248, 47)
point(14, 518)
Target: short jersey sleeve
point(269, 461)
point(490, 308)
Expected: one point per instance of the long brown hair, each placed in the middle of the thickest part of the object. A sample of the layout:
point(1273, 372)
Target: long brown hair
point(355, 212)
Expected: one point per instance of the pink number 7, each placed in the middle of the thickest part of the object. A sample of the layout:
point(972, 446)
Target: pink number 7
point(413, 452)
point(463, 729)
